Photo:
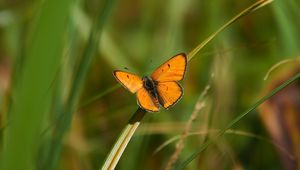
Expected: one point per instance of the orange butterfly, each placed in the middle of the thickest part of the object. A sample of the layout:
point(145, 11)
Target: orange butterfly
point(161, 88)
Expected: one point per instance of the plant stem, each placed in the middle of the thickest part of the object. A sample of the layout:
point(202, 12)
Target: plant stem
point(246, 11)
point(237, 119)
point(120, 145)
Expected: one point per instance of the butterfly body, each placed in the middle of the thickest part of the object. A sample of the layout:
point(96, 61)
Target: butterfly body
point(150, 86)
point(159, 89)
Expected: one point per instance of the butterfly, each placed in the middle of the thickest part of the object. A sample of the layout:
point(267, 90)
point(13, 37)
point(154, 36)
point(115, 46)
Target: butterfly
point(159, 89)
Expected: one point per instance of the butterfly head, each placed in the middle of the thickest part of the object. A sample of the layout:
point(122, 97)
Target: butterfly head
point(148, 83)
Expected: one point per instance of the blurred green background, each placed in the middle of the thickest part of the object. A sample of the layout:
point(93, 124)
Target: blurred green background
point(61, 107)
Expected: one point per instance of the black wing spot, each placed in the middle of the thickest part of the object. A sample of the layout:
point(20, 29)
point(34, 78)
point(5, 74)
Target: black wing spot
point(162, 70)
point(169, 65)
point(127, 76)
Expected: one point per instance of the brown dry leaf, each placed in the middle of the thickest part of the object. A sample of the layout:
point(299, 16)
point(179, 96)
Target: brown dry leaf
point(281, 116)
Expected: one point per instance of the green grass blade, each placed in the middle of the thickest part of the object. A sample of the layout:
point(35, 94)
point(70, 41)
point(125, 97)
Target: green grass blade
point(237, 119)
point(228, 132)
point(248, 10)
point(31, 98)
point(110, 50)
point(98, 96)
point(287, 28)
point(88, 54)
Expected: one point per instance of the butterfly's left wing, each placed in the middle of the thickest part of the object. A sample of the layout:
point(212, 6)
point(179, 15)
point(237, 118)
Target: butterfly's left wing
point(169, 93)
point(171, 70)
point(147, 102)
point(130, 81)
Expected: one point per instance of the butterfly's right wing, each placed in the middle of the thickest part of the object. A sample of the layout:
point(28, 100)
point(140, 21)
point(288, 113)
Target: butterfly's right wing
point(130, 81)
point(169, 93)
point(171, 70)
point(147, 102)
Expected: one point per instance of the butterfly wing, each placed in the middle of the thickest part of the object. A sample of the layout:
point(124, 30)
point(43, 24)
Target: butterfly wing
point(171, 70)
point(130, 81)
point(169, 93)
point(147, 102)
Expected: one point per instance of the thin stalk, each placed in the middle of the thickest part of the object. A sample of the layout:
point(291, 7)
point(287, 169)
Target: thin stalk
point(98, 96)
point(120, 145)
point(228, 132)
point(237, 119)
point(282, 62)
point(248, 10)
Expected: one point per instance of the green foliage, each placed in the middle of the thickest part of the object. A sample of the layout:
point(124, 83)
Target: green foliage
point(61, 108)
point(32, 93)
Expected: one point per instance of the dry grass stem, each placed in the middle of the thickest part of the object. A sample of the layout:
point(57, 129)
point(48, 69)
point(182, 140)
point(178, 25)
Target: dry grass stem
point(180, 144)
point(229, 131)
point(275, 66)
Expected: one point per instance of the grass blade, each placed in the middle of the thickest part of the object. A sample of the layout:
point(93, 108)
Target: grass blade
point(98, 96)
point(88, 54)
point(124, 138)
point(248, 10)
point(287, 28)
point(31, 98)
point(237, 119)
